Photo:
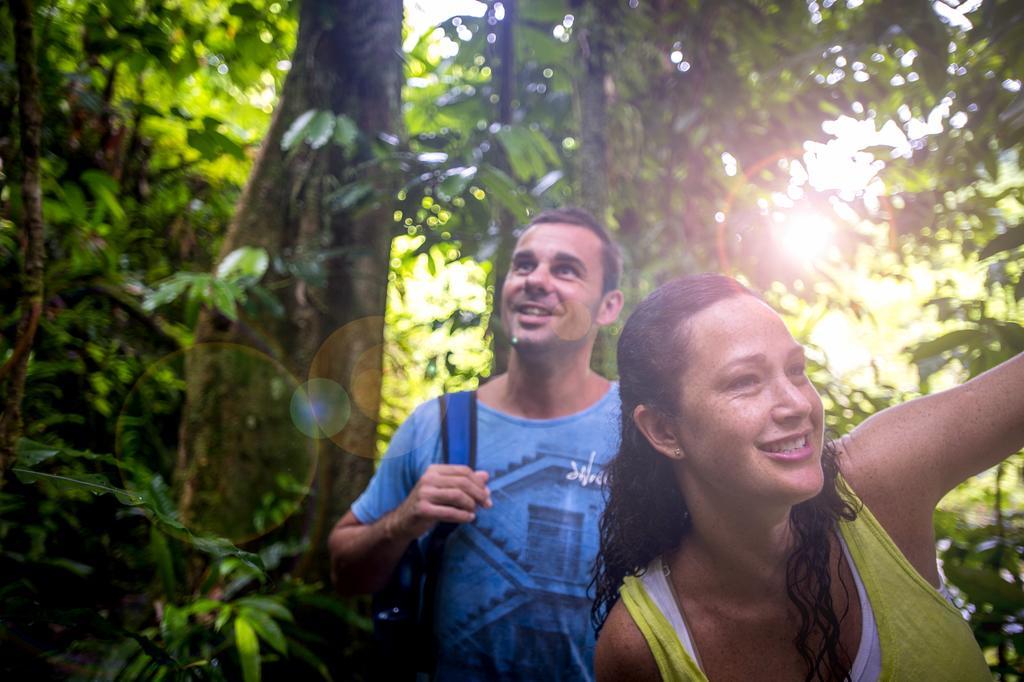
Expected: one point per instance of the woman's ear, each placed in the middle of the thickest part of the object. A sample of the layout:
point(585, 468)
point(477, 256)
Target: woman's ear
point(657, 429)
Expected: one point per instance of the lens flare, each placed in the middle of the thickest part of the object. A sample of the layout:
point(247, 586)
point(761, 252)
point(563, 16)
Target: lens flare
point(320, 408)
point(351, 357)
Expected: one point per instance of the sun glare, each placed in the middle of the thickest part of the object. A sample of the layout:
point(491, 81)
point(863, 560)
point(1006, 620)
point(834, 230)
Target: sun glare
point(805, 236)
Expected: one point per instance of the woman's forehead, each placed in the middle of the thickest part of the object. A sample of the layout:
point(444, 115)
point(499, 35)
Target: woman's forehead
point(737, 327)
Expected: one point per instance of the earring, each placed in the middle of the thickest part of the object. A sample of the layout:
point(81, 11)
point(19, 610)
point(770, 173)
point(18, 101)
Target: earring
point(677, 454)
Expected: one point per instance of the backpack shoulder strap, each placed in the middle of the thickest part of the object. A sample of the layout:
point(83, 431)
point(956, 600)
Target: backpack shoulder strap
point(458, 446)
point(458, 428)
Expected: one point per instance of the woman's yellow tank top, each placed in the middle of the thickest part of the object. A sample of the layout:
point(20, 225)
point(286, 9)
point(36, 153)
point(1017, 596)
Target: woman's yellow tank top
point(923, 637)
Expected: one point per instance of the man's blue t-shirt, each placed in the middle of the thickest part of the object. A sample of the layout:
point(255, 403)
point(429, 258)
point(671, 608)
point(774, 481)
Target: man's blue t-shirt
point(512, 600)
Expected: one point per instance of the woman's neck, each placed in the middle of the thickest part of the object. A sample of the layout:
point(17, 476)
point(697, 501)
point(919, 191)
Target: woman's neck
point(740, 552)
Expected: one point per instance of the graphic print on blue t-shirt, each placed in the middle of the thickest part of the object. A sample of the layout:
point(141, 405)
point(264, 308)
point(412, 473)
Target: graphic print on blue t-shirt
point(512, 600)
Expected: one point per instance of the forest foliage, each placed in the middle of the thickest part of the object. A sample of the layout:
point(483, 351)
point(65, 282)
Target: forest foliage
point(708, 135)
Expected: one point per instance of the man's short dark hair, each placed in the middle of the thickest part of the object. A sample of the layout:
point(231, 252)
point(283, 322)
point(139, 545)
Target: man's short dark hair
point(611, 257)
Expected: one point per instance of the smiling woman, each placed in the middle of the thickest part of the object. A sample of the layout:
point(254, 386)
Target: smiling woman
point(747, 546)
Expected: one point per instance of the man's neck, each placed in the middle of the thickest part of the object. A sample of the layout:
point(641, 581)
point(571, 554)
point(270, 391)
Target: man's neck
point(544, 388)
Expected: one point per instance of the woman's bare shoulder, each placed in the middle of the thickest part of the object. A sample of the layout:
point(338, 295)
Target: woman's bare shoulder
point(622, 652)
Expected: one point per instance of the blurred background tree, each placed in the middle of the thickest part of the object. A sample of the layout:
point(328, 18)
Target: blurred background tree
point(230, 187)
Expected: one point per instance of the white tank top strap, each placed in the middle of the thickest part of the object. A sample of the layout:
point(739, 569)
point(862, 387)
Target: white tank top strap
point(655, 581)
point(867, 665)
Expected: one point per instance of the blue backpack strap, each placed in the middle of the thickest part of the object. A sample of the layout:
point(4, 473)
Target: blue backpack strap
point(458, 428)
point(458, 446)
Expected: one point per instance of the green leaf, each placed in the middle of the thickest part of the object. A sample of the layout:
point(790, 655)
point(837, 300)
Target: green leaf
point(297, 130)
point(1011, 337)
point(221, 548)
point(266, 605)
point(345, 133)
point(244, 10)
point(960, 337)
point(203, 606)
point(266, 628)
point(93, 483)
point(503, 190)
point(170, 289)
point(105, 190)
point(1009, 240)
point(319, 130)
point(74, 201)
point(224, 299)
point(222, 617)
point(248, 650)
point(213, 144)
point(530, 154)
point(30, 453)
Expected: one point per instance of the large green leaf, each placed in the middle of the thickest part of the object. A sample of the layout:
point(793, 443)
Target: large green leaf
point(92, 483)
point(248, 647)
point(31, 453)
point(265, 626)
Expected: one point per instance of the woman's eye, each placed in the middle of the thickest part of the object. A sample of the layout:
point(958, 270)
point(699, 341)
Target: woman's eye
point(745, 381)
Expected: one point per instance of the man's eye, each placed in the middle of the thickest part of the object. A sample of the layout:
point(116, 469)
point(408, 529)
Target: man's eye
point(798, 371)
point(522, 266)
point(566, 270)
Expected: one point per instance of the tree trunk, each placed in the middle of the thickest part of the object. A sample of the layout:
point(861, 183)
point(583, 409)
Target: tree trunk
point(593, 105)
point(506, 76)
point(592, 160)
point(237, 434)
point(15, 369)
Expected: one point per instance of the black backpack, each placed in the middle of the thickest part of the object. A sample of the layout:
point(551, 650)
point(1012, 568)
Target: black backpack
point(403, 612)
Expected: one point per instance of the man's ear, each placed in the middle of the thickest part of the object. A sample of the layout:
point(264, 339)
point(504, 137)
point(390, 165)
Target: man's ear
point(611, 306)
point(657, 429)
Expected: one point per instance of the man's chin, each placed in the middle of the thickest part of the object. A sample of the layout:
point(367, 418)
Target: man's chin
point(542, 343)
point(531, 341)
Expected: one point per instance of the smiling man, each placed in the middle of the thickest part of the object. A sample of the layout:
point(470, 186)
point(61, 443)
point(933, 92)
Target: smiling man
point(511, 599)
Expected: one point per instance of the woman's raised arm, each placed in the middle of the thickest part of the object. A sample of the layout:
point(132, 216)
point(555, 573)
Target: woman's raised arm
point(904, 459)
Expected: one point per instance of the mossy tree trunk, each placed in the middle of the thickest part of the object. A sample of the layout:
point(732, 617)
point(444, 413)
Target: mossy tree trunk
point(15, 368)
point(237, 433)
